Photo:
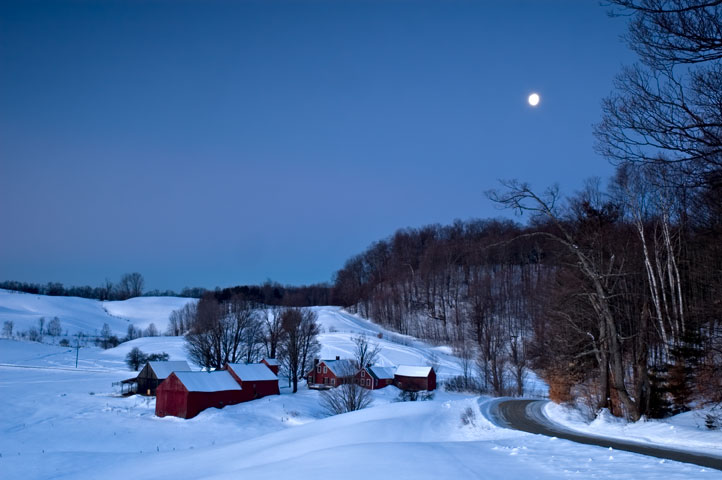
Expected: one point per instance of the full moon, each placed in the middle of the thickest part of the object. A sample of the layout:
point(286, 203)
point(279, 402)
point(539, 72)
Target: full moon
point(534, 99)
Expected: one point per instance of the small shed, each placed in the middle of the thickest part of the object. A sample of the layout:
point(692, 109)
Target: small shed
point(271, 363)
point(186, 394)
point(153, 373)
point(330, 373)
point(256, 379)
point(374, 377)
point(414, 378)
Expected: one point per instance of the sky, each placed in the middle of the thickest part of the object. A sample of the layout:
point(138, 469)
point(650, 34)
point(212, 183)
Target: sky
point(218, 143)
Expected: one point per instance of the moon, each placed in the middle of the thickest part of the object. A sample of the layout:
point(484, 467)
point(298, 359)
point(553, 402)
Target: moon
point(534, 99)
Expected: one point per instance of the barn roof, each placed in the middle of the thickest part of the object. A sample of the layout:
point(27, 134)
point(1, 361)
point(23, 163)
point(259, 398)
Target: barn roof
point(252, 372)
point(270, 361)
point(413, 371)
point(217, 381)
point(381, 372)
point(163, 369)
point(340, 368)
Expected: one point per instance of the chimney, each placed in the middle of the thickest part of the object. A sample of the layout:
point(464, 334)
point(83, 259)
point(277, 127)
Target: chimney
point(315, 362)
point(338, 358)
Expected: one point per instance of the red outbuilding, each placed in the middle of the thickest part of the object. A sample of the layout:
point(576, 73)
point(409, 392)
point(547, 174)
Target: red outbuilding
point(330, 373)
point(415, 378)
point(374, 377)
point(256, 379)
point(186, 394)
point(271, 363)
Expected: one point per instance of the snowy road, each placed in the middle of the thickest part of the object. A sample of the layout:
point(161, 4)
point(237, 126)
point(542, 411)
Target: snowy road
point(528, 416)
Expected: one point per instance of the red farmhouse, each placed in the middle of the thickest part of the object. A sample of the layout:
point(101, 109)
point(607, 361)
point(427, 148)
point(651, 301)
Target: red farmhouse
point(373, 377)
point(186, 394)
point(415, 378)
point(256, 379)
point(271, 363)
point(330, 373)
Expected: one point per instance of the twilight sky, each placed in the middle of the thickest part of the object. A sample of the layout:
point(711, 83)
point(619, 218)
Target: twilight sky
point(217, 143)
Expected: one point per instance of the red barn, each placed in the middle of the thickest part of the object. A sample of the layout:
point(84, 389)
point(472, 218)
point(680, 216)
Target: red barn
point(256, 379)
point(374, 377)
point(271, 363)
point(330, 373)
point(415, 378)
point(186, 394)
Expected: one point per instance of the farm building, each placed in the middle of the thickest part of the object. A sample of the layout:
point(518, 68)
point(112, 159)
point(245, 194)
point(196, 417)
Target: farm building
point(415, 378)
point(330, 373)
point(186, 394)
point(152, 374)
point(271, 363)
point(256, 379)
point(374, 377)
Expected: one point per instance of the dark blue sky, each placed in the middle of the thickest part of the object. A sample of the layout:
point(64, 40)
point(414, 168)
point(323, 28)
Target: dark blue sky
point(207, 143)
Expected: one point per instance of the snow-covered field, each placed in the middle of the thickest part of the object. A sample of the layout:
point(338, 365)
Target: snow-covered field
point(85, 315)
point(62, 422)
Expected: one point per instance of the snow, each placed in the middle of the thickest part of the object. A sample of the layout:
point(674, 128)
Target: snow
point(208, 381)
point(252, 372)
point(341, 367)
point(142, 311)
point(381, 372)
point(685, 431)
point(412, 371)
point(60, 422)
point(85, 315)
point(164, 369)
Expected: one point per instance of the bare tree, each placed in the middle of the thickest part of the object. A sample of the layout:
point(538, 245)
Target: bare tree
point(54, 329)
point(41, 326)
point(300, 343)
point(274, 331)
point(347, 397)
point(223, 333)
point(151, 331)
point(365, 352)
point(666, 109)
point(179, 321)
point(599, 271)
point(8, 328)
point(130, 285)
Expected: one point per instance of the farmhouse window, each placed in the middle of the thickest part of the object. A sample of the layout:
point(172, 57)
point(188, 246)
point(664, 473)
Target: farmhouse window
point(363, 374)
point(333, 381)
point(325, 369)
point(318, 369)
point(368, 382)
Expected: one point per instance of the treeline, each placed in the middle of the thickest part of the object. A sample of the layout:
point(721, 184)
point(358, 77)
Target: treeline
point(131, 285)
point(472, 284)
point(274, 294)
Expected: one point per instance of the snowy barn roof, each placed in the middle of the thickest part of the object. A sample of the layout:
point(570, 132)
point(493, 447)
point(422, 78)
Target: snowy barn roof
point(252, 372)
point(341, 368)
point(217, 381)
point(163, 369)
point(413, 371)
point(381, 372)
point(270, 361)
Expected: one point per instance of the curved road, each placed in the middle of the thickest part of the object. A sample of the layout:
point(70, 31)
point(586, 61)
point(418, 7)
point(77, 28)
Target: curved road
point(528, 416)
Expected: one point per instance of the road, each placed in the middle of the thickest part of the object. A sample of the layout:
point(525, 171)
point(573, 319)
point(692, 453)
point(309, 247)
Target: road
point(528, 416)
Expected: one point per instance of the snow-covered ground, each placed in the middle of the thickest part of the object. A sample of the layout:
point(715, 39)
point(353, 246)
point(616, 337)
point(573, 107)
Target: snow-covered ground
point(85, 315)
point(61, 422)
point(685, 431)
